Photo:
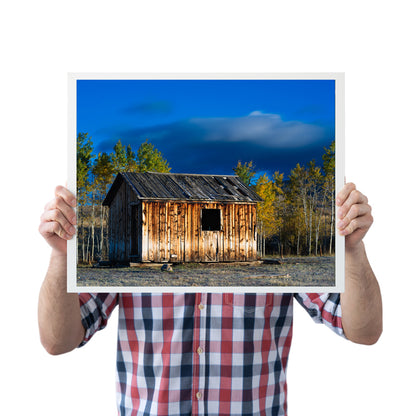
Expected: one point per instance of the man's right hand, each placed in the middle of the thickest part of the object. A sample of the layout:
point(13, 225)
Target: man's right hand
point(57, 223)
point(60, 325)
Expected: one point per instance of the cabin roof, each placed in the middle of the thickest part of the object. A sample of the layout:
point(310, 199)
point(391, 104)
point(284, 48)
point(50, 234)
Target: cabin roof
point(183, 187)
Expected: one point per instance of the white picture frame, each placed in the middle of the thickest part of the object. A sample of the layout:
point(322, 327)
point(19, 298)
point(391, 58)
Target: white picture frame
point(339, 259)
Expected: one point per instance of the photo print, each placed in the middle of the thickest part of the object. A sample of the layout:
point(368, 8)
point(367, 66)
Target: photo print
point(206, 182)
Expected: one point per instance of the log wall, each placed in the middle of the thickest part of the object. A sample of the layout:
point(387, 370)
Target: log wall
point(171, 231)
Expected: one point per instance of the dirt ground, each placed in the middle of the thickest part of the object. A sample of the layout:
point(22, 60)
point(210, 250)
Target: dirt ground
point(295, 271)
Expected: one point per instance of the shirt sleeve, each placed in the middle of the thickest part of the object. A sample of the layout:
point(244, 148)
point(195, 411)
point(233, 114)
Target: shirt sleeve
point(324, 308)
point(96, 308)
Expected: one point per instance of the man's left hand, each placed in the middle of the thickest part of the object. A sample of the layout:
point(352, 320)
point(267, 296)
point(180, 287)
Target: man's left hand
point(354, 215)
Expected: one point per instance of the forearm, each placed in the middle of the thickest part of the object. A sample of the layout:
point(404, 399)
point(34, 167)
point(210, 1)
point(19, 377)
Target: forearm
point(361, 302)
point(59, 314)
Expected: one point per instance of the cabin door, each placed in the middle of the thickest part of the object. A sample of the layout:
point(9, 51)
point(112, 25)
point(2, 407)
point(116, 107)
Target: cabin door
point(211, 246)
point(211, 230)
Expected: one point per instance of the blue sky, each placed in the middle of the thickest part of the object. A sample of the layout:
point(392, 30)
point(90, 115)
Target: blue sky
point(207, 126)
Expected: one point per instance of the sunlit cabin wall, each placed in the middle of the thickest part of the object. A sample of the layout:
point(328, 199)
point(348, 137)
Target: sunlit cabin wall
point(172, 231)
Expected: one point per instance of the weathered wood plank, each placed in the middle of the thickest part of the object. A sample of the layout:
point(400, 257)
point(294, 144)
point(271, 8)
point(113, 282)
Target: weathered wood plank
point(196, 231)
point(220, 243)
point(174, 232)
point(163, 249)
point(145, 232)
point(188, 233)
point(169, 210)
point(201, 236)
point(233, 234)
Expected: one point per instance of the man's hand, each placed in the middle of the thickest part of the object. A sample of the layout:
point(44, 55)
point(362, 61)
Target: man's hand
point(354, 214)
point(59, 219)
point(361, 304)
point(60, 325)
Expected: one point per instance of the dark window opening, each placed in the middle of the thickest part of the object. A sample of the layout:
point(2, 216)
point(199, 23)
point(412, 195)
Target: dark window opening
point(211, 220)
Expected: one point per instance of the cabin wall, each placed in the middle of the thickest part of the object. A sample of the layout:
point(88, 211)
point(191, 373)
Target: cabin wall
point(171, 231)
point(120, 221)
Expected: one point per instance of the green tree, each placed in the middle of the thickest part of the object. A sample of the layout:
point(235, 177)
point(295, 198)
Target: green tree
point(119, 158)
point(328, 159)
point(245, 172)
point(280, 205)
point(316, 206)
point(123, 158)
point(149, 159)
point(103, 173)
point(131, 163)
point(84, 161)
point(306, 197)
point(298, 198)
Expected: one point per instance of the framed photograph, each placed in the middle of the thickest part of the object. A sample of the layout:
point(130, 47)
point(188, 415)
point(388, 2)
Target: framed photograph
point(206, 182)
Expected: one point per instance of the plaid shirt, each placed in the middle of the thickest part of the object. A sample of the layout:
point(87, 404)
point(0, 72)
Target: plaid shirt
point(204, 353)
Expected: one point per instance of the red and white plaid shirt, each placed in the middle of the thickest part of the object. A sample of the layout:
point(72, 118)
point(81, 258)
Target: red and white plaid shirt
point(204, 353)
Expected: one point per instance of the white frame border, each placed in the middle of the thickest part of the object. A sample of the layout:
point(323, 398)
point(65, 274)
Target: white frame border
point(339, 79)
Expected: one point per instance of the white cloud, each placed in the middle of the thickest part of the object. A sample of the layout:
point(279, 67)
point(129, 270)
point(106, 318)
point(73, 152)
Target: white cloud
point(267, 130)
point(258, 113)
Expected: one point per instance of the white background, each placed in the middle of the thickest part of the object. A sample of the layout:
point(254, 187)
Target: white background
point(372, 42)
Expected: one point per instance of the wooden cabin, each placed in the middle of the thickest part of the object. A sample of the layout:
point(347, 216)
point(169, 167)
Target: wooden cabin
point(169, 217)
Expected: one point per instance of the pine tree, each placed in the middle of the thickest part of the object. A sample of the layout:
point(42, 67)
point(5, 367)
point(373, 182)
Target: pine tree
point(84, 161)
point(149, 159)
point(119, 158)
point(245, 172)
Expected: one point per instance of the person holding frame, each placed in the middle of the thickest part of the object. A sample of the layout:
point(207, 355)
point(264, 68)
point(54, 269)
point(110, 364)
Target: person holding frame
point(205, 353)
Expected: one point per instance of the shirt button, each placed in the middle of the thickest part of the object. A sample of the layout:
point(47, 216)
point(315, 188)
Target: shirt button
point(199, 350)
point(201, 306)
point(199, 395)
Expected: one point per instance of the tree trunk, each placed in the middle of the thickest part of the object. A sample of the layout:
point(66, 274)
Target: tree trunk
point(310, 230)
point(92, 227)
point(87, 251)
point(317, 229)
point(82, 229)
point(332, 224)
